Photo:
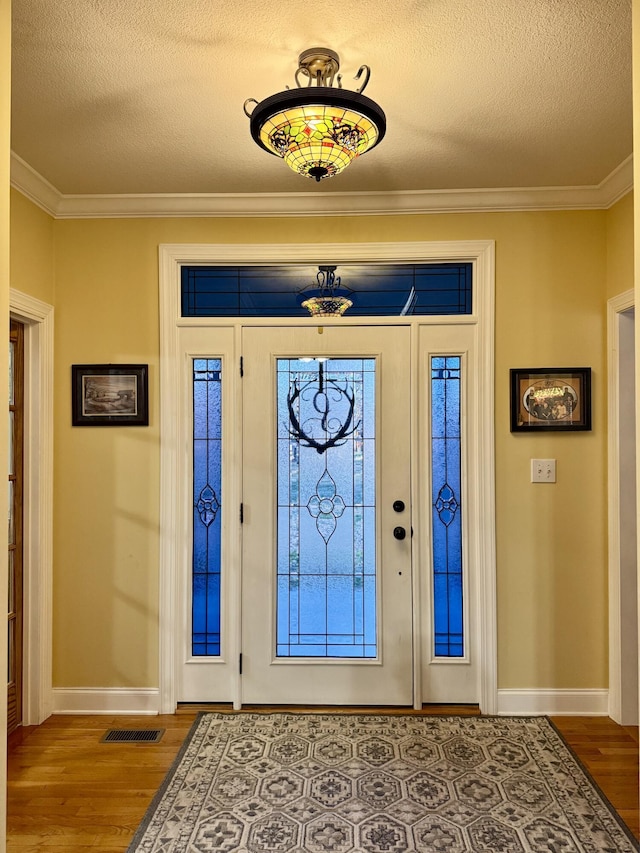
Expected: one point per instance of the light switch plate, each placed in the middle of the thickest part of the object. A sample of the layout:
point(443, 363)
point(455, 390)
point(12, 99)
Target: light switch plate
point(543, 470)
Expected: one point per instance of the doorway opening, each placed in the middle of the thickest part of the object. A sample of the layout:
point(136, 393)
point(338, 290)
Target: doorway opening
point(623, 569)
point(189, 340)
point(15, 556)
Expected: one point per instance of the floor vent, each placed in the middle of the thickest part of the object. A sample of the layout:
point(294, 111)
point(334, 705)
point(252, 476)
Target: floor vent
point(132, 736)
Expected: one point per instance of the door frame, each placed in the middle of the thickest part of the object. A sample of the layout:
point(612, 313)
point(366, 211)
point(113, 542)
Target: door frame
point(37, 318)
point(173, 446)
point(623, 697)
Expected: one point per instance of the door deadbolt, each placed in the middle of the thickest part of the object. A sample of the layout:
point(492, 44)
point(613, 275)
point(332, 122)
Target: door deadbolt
point(398, 506)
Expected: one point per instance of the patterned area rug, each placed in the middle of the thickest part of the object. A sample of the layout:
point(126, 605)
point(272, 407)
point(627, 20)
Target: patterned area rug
point(331, 783)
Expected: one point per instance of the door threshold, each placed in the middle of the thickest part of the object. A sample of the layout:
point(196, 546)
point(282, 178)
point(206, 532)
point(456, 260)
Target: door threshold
point(426, 710)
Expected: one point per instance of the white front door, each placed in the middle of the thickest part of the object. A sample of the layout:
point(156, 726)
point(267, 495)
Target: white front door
point(326, 554)
point(314, 599)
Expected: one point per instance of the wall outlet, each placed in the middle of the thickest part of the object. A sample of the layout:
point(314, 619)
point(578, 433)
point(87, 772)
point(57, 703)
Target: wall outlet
point(543, 470)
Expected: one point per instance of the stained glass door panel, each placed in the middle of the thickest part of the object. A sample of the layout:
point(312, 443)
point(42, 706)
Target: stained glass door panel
point(326, 584)
point(205, 636)
point(326, 543)
point(448, 542)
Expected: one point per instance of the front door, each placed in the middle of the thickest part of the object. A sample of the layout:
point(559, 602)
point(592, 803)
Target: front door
point(326, 554)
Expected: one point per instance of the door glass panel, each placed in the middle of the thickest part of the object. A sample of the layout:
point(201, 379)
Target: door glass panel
point(207, 498)
point(11, 652)
point(326, 548)
point(12, 371)
point(12, 584)
point(11, 438)
point(446, 509)
point(12, 522)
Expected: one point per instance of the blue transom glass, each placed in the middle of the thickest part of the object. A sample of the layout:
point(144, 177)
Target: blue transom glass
point(279, 291)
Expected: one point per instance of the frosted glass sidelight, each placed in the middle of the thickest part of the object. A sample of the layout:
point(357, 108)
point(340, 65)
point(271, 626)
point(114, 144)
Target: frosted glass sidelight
point(446, 506)
point(207, 497)
point(326, 551)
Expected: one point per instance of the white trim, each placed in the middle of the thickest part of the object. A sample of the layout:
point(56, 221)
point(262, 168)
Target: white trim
point(105, 700)
point(615, 306)
point(127, 205)
point(38, 502)
point(617, 184)
point(173, 254)
point(556, 702)
point(169, 540)
point(171, 257)
point(622, 302)
point(31, 184)
point(417, 580)
point(484, 452)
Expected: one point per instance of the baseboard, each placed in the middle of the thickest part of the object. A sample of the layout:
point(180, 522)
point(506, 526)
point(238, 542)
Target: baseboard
point(525, 702)
point(558, 702)
point(105, 700)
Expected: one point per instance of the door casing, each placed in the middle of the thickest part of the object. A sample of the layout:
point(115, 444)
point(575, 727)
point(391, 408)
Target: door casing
point(38, 319)
point(623, 580)
point(173, 438)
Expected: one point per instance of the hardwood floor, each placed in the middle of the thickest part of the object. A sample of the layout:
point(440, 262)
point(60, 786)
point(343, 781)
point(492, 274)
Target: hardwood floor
point(610, 753)
point(70, 793)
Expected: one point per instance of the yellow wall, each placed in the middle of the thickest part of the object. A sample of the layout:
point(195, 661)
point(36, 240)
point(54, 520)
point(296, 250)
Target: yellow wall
point(551, 290)
point(619, 219)
point(31, 249)
point(551, 549)
point(106, 481)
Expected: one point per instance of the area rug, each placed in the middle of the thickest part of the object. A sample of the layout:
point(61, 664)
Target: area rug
point(334, 783)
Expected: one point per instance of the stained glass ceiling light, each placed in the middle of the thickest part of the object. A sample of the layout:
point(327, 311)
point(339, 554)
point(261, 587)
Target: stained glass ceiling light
point(327, 302)
point(318, 129)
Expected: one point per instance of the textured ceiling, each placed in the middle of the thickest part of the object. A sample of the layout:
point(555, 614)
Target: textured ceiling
point(146, 96)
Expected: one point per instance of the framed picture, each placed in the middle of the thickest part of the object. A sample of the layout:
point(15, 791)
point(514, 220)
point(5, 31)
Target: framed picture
point(110, 395)
point(550, 398)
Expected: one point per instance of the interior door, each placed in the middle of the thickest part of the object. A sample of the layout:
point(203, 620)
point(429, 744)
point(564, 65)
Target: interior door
point(326, 554)
point(15, 613)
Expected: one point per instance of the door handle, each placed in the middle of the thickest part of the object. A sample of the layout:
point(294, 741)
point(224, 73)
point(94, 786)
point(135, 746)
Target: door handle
point(399, 532)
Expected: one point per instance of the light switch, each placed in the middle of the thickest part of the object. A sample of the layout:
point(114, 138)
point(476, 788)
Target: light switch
point(543, 470)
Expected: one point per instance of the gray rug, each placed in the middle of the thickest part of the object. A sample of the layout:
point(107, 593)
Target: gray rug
point(332, 783)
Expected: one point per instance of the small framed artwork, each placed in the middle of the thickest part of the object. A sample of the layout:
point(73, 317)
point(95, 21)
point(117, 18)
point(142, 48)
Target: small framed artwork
point(110, 395)
point(550, 398)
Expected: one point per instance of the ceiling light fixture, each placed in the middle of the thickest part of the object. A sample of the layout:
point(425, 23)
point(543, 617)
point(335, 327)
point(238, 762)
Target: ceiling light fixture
point(327, 301)
point(318, 129)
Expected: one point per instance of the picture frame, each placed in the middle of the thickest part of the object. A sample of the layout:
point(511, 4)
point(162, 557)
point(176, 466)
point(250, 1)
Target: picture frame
point(109, 395)
point(550, 398)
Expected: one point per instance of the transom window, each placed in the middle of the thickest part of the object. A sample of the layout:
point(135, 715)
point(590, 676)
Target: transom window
point(384, 290)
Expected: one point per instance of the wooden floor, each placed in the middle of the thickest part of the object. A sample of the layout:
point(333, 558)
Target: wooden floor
point(70, 793)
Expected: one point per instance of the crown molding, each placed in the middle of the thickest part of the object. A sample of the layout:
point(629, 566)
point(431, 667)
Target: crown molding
point(620, 182)
point(140, 205)
point(31, 184)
